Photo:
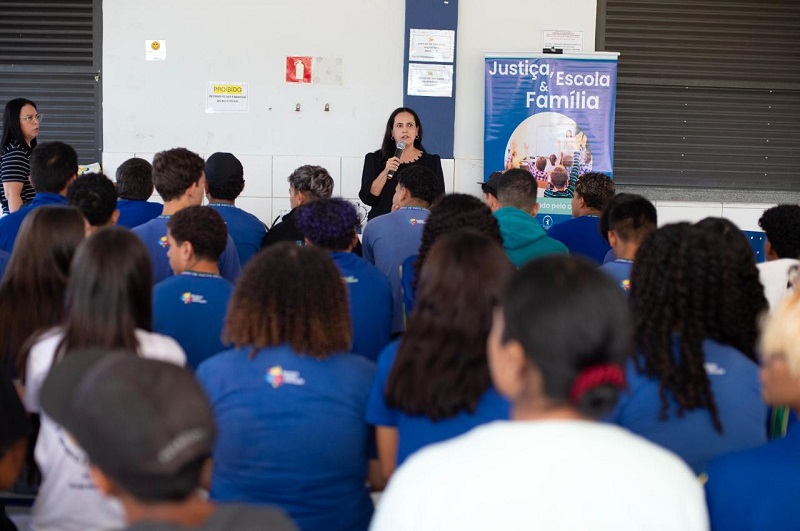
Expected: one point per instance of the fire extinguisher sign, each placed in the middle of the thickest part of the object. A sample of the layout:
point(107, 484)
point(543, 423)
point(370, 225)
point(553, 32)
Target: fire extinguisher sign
point(298, 69)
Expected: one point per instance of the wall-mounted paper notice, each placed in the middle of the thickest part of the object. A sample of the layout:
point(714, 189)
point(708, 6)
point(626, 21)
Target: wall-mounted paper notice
point(227, 97)
point(568, 41)
point(430, 80)
point(155, 50)
point(436, 46)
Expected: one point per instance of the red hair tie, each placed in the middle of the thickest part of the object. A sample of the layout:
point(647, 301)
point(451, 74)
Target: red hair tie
point(596, 375)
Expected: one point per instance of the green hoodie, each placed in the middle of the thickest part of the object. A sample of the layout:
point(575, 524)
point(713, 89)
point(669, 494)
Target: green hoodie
point(523, 238)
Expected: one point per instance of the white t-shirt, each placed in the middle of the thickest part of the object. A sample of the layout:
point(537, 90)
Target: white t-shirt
point(543, 475)
point(775, 276)
point(68, 499)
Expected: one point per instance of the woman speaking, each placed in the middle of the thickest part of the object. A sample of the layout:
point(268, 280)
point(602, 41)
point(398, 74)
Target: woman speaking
point(402, 146)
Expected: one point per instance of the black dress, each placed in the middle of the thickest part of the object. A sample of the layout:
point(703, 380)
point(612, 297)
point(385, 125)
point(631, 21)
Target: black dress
point(374, 163)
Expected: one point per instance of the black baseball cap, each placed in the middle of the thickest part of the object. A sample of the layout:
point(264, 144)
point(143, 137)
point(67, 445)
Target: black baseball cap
point(490, 185)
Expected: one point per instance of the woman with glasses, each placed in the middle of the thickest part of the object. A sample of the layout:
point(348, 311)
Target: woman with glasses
point(20, 128)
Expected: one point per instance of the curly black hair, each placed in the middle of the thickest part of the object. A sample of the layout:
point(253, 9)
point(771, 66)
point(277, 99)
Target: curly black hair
point(683, 284)
point(596, 189)
point(330, 223)
point(782, 226)
point(451, 212)
point(753, 305)
point(95, 196)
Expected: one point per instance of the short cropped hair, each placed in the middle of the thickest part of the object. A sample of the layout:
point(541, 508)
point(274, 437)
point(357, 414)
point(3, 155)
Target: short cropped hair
point(328, 223)
point(201, 226)
point(596, 189)
point(53, 164)
point(420, 182)
point(175, 170)
point(224, 176)
point(782, 226)
point(290, 294)
point(312, 180)
point(517, 188)
point(632, 217)
point(559, 177)
point(135, 180)
point(95, 196)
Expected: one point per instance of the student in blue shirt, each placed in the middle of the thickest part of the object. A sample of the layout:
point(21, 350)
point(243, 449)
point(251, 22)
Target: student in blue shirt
point(190, 306)
point(289, 399)
point(134, 188)
point(435, 384)
point(224, 183)
point(757, 488)
point(625, 223)
point(692, 388)
point(331, 224)
point(179, 177)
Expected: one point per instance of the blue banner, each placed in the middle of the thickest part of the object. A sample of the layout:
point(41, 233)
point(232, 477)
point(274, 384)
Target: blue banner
point(550, 112)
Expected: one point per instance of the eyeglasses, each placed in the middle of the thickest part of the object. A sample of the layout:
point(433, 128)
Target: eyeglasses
point(29, 118)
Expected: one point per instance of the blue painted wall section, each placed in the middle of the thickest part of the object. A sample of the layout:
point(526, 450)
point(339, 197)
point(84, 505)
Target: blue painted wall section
point(437, 114)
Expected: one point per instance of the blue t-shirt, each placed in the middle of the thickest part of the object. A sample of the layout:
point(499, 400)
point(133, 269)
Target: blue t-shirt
point(737, 393)
point(134, 213)
point(191, 308)
point(154, 235)
point(291, 433)
point(388, 240)
point(620, 270)
point(417, 431)
point(247, 231)
point(10, 223)
point(370, 304)
point(756, 488)
point(582, 237)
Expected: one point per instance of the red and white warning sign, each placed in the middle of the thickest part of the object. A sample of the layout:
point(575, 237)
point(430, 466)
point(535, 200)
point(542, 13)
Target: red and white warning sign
point(298, 69)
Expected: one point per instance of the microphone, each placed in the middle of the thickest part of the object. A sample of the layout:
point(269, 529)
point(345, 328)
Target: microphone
point(397, 152)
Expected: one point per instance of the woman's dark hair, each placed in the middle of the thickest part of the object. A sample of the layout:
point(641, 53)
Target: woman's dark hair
point(451, 212)
point(754, 304)
point(11, 128)
point(33, 287)
point(328, 223)
point(683, 291)
point(570, 318)
point(441, 367)
point(388, 146)
point(290, 294)
point(109, 292)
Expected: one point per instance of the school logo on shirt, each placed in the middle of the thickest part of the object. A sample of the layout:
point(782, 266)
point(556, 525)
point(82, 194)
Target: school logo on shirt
point(193, 298)
point(163, 241)
point(277, 377)
point(415, 221)
point(712, 369)
point(625, 284)
point(350, 279)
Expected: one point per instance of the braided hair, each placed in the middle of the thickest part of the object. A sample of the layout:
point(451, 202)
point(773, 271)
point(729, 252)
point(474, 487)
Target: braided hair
point(683, 292)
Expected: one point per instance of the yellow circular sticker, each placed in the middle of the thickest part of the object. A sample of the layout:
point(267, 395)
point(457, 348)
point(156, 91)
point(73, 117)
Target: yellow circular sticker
point(155, 45)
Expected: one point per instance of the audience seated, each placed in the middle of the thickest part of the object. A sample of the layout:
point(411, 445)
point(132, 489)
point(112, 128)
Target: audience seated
point(691, 388)
point(109, 308)
point(391, 238)
point(54, 165)
point(179, 177)
point(626, 221)
point(551, 466)
point(523, 238)
point(224, 183)
point(134, 188)
point(581, 234)
point(306, 184)
point(190, 307)
point(289, 400)
point(757, 488)
point(781, 224)
point(448, 213)
point(95, 196)
point(32, 289)
point(434, 384)
point(331, 224)
point(148, 431)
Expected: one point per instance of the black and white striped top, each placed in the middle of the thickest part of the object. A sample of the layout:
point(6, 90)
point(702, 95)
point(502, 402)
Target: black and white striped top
point(15, 166)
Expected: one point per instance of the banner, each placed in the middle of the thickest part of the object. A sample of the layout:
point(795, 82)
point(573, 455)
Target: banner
point(547, 112)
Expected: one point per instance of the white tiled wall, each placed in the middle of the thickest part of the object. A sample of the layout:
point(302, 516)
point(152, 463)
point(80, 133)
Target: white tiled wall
point(266, 192)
